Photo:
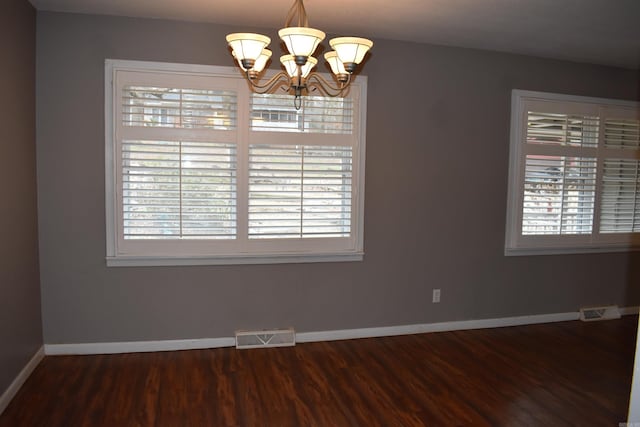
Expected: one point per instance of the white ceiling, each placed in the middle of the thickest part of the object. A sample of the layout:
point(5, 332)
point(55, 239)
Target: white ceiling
point(594, 31)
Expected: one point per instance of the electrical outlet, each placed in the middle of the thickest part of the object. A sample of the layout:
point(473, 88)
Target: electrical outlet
point(436, 295)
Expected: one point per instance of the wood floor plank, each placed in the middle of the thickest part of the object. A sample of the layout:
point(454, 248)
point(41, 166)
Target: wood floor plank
point(561, 374)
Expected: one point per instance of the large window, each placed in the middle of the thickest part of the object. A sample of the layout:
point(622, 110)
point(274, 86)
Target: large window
point(574, 181)
point(199, 170)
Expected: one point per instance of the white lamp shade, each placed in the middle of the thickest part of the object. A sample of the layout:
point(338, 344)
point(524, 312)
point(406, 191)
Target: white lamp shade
point(262, 60)
point(301, 41)
point(289, 63)
point(247, 45)
point(337, 67)
point(237, 60)
point(351, 50)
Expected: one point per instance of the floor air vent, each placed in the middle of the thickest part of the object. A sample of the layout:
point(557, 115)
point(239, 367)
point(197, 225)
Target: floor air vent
point(599, 313)
point(266, 338)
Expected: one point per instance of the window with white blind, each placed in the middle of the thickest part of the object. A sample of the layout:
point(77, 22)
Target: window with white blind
point(573, 175)
point(199, 170)
point(299, 191)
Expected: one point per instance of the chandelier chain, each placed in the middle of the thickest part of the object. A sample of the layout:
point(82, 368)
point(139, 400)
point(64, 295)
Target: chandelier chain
point(297, 10)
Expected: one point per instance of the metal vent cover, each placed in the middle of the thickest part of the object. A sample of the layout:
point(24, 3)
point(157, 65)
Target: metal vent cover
point(266, 338)
point(590, 314)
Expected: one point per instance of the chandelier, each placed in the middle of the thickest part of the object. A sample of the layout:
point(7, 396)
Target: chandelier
point(250, 51)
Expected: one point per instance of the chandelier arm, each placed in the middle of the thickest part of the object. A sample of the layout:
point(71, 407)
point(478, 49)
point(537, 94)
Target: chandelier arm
point(326, 86)
point(269, 85)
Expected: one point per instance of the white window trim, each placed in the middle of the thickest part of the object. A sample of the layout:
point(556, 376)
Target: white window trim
point(565, 244)
point(298, 255)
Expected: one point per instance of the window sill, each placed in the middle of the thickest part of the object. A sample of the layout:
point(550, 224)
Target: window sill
point(151, 261)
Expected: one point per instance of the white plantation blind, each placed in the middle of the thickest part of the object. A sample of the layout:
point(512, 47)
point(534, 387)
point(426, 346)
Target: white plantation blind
point(175, 189)
point(201, 171)
point(562, 129)
point(317, 114)
point(621, 133)
point(574, 183)
point(175, 159)
point(559, 191)
point(178, 107)
point(620, 205)
point(299, 191)
point(559, 195)
point(303, 169)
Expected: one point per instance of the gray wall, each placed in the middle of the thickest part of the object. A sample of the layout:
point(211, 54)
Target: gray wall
point(435, 199)
point(20, 320)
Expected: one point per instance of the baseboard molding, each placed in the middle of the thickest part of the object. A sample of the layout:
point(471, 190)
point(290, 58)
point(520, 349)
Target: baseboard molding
point(342, 334)
point(434, 327)
point(10, 392)
point(136, 346)
point(346, 334)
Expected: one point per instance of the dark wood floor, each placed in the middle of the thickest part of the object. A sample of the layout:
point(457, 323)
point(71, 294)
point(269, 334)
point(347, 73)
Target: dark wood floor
point(571, 373)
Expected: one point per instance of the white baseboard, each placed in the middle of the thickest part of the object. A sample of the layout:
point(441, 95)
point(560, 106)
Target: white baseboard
point(346, 334)
point(422, 328)
point(10, 392)
point(342, 334)
point(137, 346)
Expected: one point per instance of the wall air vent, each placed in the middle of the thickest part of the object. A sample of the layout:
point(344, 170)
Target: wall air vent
point(266, 338)
point(589, 314)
